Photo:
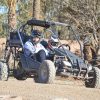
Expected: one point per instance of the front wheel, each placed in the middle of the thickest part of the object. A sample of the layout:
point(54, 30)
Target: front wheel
point(3, 71)
point(95, 81)
point(46, 72)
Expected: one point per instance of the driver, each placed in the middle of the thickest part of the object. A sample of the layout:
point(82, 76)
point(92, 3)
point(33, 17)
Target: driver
point(53, 41)
point(33, 47)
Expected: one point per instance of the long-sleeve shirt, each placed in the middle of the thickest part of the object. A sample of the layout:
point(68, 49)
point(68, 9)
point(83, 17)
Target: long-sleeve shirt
point(32, 49)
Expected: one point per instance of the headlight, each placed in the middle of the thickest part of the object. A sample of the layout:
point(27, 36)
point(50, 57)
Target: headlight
point(66, 63)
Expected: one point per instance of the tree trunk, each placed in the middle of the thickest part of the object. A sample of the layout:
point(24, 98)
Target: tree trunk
point(36, 13)
point(36, 9)
point(12, 14)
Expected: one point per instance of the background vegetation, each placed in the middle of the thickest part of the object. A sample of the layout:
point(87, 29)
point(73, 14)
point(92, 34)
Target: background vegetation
point(78, 13)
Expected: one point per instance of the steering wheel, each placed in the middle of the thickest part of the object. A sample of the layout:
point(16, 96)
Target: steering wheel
point(65, 46)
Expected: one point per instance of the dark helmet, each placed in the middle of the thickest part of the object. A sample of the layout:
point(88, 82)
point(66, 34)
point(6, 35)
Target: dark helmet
point(36, 33)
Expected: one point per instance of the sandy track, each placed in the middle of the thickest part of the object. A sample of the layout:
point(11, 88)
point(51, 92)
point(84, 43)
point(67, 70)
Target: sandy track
point(60, 90)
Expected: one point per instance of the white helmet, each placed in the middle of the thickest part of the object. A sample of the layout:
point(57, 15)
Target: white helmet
point(54, 40)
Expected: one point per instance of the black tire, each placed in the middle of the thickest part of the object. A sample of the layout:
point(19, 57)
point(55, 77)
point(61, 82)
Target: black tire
point(46, 72)
point(94, 82)
point(3, 71)
point(19, 73)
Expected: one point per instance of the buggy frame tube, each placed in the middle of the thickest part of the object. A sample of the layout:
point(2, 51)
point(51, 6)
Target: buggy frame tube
point(58, 23)
point(20, 35)
point(21, 39)
point(78, 42)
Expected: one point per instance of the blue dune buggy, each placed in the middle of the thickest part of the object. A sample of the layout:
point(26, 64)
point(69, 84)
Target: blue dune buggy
point(61, 61)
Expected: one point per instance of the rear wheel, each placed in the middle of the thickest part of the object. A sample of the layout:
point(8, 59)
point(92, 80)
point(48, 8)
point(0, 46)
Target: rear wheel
point(19, 73)
point(95, 81)
point(3, 71)
point(46, 72)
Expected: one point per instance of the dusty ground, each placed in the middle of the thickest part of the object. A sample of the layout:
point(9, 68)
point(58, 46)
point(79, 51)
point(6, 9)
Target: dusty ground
point(62, 89)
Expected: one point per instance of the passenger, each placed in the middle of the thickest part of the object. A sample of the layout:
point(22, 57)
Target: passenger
point(90, 46)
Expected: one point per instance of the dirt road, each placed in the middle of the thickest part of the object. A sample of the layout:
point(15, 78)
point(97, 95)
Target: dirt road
point(60, 90)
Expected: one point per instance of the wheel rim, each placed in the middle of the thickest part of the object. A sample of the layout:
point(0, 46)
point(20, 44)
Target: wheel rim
point(44, 73)
point(91, 81)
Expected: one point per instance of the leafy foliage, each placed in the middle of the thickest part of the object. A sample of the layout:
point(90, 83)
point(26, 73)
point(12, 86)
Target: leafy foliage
point(79, 13)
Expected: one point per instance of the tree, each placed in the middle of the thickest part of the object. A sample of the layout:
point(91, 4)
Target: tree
point(12, 22)
point(36, 9)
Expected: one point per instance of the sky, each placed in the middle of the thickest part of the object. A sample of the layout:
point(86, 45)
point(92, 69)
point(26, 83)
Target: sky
point(2, 9)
